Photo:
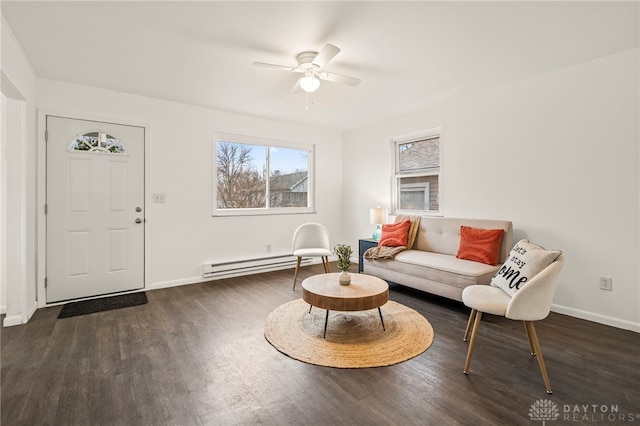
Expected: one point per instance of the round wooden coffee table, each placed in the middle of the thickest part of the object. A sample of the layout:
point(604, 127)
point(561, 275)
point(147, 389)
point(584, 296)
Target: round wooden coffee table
point(325, 291)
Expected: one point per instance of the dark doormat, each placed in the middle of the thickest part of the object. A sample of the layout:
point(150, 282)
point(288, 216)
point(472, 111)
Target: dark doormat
point(103, 304)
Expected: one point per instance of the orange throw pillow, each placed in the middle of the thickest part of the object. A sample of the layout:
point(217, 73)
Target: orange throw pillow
point(480, 245)
point(395, 234)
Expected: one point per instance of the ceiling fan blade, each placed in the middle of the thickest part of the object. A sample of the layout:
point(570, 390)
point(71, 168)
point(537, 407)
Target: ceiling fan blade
point(325, 55)
point(280, 67)
point(296, 88)
point(341, 79)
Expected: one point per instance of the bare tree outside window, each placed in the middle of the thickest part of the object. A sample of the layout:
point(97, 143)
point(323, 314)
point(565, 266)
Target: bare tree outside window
point(252, 178)
point(239, 183)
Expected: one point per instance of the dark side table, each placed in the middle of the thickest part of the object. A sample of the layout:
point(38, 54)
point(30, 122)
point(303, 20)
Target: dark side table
point(363, 245)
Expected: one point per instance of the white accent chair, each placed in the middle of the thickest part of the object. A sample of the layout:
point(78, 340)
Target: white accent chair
point(311, 240)
point(531, 303)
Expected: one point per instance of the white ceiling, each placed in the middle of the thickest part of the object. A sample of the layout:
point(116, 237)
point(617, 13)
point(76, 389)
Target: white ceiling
point(409, 55)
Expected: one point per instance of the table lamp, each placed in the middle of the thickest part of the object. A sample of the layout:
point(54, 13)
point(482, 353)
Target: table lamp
point(377, 217)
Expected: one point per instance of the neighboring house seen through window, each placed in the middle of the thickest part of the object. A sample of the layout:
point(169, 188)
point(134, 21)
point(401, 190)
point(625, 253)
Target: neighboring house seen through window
point(260, 176)
point(416, 185)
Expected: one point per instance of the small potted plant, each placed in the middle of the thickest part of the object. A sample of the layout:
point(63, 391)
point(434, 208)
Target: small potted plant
point(343, 251)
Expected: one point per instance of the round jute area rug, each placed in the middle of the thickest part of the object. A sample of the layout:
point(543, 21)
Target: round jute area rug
point(354, 339)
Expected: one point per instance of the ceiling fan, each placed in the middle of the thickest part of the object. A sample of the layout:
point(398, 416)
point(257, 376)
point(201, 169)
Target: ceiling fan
point(311, 64)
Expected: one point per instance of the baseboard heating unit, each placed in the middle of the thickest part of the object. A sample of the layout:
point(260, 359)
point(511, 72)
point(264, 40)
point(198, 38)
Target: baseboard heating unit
point(250, 266)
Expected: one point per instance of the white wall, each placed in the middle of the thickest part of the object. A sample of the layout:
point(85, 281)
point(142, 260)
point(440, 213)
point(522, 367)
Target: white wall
point(182, 233)
point(557, 154)
point(3, 203)
point(19, 85)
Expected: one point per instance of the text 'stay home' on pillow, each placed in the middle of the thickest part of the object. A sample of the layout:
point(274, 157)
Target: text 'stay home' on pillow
point(525, 261)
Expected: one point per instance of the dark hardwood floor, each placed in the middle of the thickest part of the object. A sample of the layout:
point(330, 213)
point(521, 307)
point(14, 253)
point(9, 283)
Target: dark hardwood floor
point(196, 355)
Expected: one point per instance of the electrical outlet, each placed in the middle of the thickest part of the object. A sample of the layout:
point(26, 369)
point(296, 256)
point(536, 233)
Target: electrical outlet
point(606, 283)
point(268, 248)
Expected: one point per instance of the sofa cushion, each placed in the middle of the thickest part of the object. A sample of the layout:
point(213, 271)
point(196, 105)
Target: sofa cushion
point(442, 235)
point(525, 261)
point(438, 267)
point(480, 245)
point(395, 234)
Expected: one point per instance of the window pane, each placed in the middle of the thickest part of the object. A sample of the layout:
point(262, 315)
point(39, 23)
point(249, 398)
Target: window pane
point(418, 193)
point(289, 177)
point(256, 176)
point(241, 175)
point(417, 171)
point(419, 156)
point(98, 142)
point(113, 145)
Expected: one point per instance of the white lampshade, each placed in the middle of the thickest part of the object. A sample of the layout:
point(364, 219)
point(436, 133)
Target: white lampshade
point(309, 84)
point(377, 216)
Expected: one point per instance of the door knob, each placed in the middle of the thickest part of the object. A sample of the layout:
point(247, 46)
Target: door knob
point(138, 220)
point(138, 209)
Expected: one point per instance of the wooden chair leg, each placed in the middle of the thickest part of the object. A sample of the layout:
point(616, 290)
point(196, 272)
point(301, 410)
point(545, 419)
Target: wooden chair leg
point(533, 349)
point(295, 275)
point(325, 263)
point(536, 345)
point(472, 343)
point(468, 329)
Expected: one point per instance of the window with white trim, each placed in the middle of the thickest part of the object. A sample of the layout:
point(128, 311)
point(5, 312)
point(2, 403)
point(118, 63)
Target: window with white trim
point(255, 176)
point(416, 183)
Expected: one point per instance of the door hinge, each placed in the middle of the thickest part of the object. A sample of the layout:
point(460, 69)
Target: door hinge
point(46, 208)
point(45, 282)
point(46, 135)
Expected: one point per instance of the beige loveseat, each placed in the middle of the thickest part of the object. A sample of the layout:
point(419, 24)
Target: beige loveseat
point(431, 264)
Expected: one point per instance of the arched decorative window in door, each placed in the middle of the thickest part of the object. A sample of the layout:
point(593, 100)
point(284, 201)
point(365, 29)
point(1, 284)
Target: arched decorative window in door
point(98, 142)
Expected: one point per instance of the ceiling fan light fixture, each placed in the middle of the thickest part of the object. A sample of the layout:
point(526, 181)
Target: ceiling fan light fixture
point(309, 83)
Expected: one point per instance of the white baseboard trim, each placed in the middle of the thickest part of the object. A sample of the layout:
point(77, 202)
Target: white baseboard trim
point(200, 279)
point(32, 311)
point(12, 320)
point(176, 283)
point(19, 319)
point(600, 319)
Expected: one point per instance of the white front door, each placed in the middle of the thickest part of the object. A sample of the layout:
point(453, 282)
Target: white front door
point(95, 208)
